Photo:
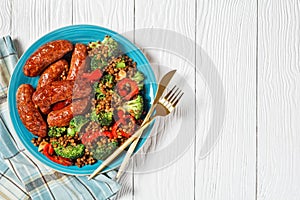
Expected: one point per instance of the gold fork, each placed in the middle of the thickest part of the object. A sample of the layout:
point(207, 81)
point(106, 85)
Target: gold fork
point(163, 108)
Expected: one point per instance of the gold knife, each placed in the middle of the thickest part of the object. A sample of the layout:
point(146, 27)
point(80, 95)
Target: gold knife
point(161, 88)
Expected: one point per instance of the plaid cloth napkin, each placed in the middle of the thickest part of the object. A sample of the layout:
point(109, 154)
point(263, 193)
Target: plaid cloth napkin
point(23, 177)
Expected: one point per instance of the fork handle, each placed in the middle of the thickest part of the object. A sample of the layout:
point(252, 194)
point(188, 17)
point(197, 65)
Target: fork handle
point(129, 153)
point(119, 150)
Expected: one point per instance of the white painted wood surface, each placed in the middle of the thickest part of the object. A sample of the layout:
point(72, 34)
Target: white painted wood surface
point(278, 100)
point(227, 32)
point(255, 48)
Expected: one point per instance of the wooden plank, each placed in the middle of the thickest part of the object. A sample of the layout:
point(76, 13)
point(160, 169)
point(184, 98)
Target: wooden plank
point(5, 17)
point(33, 18)
point(118, 16)
point(278, 102)
point(175, 178)
point(226, 30)
point(115, 15)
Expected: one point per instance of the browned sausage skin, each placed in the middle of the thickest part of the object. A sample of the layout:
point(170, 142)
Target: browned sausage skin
point(29, 114)
point(60, 90)
point(78, 62)
point(63, 117)
point(45, 55)
point(52, 73)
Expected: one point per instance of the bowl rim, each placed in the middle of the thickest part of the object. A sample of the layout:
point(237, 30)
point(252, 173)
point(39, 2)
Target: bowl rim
point(49, 37)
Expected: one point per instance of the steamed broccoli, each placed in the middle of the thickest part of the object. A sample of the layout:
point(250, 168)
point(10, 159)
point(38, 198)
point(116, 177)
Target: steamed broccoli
point(104, 118)
point(108, 80)
point(56, 131)
point(69, 151)
point(135, 106)
point(98, 93)
point(97, 61)
point(108, 48)
point(113, 47)
point(121, 64)
point(93, 115)
point(139, 79)
point(76, 124)
point(103, 151)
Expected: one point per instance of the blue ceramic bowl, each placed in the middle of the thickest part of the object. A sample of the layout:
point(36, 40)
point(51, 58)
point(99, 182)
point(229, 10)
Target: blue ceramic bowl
point(75, 34)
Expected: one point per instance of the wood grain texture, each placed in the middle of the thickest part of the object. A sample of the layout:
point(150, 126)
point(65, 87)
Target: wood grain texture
point(32, 19)
point(176, 179)
point(5, 17)
point(278, 100)
point(116, 15)
point(226, 30)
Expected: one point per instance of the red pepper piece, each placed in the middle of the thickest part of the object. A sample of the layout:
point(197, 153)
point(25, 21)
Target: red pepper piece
point(93, 76)
point(134, 89)
point(108, 134)
point(115, 127)
point(120, 114)
point(51, 150)
point(61, 105)
point(125, 134)
point(123, 122)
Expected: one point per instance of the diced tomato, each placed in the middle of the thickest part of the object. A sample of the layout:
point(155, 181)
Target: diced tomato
point(134, 89)
point(93, 76)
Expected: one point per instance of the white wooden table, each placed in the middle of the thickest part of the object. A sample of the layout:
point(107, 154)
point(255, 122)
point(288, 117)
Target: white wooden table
point(255, 48)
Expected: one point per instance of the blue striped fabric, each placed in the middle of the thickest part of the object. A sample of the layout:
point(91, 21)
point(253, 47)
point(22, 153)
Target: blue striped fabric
point(23, 177)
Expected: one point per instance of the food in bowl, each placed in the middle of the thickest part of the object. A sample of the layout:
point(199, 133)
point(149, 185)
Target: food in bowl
point(89, 99)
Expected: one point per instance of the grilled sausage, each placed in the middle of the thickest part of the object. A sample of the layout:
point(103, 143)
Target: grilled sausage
point(78, 62)
point(45, 55)
point(60, 90)
point(52, 73)
point(63, 116)
point(29, 114)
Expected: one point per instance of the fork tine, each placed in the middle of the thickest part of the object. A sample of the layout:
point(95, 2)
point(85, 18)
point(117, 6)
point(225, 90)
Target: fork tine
point(176, 94)
point(173, 94)
point(177, 100)
point(170, 92)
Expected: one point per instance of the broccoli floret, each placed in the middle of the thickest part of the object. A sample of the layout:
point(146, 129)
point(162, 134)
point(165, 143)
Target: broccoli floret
point(121, 64)
point(135, 106)
point(103, 151)
point(98, 93)
point(98, 61)
point(93, 115)
point(105, 118)
point(76, 124)
point(56, 131)
point(139, 79)
point(108, 48)
point(108, 80)
point(69, 151)
point(113, 47)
